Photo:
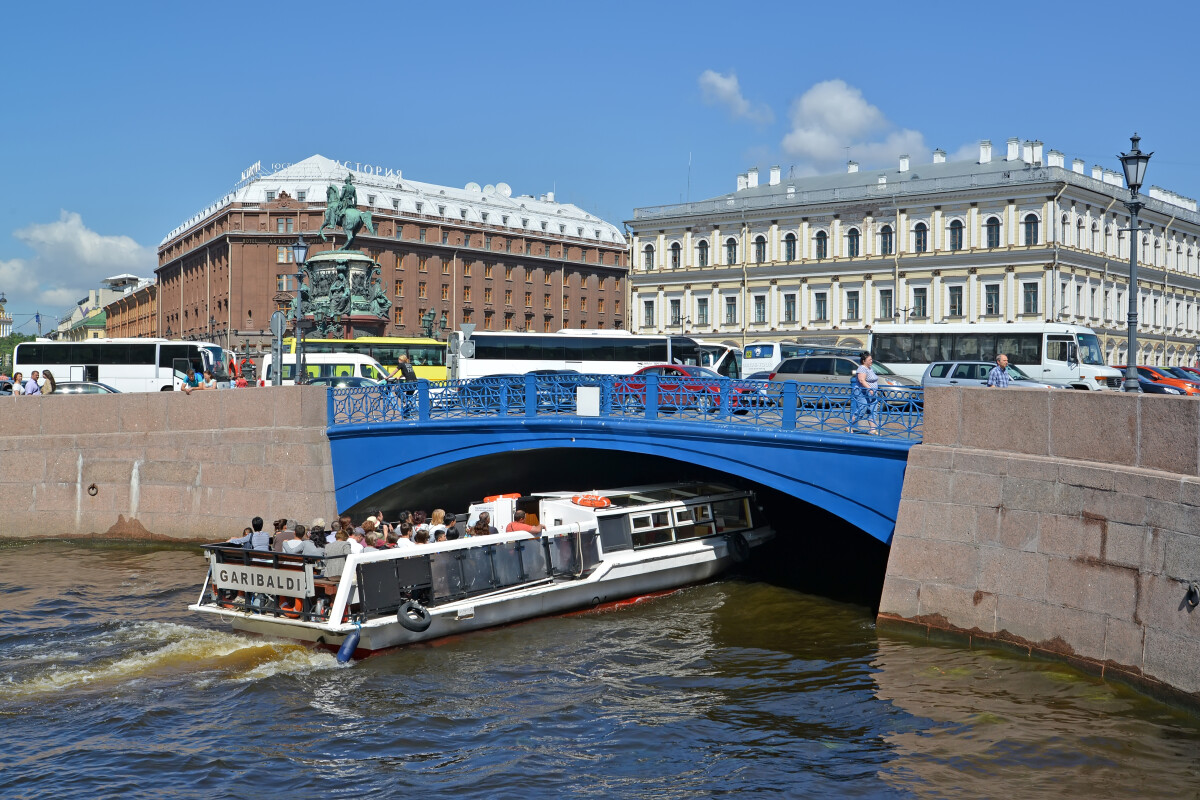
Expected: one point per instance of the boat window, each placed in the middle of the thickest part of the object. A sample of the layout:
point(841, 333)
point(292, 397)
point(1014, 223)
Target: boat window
point(641, 523)
point(683, 516)
point(703, 512)
point(694, 531)
point(732, 515)
point(662, 519)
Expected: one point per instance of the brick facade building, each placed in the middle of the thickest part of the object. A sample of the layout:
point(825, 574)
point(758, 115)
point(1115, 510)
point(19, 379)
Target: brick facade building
point(475, 255)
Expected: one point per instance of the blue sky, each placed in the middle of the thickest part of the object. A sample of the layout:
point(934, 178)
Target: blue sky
point(122, 119)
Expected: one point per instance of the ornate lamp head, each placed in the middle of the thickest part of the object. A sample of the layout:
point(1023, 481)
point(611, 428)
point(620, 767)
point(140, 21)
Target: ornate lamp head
point(1134, 163)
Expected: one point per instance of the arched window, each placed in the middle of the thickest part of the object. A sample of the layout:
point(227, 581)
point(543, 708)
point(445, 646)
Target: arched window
point(760, 250)
point(822, 243)
point(993, 231)
point(956, 235)
point(1095, 237)
point(1079, 234)
point(920, 238)
point(852, 240)
point(702, 254)
point(731, 251)
point(789, 247)
point(648, 257)
point(675, 255)
point(1031, 230)
point(886, 240)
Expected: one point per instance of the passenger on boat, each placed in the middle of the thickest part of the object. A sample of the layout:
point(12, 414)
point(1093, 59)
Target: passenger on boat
point(316, 532)
point(294, 544)
point(394, 539)
point(406, 532)
point(281, 535)
point(418, 521)
point(257, 539)
point(335, 553)
point(453, 531)
point(357, 541)
point(371, 542)
point(344, 523)
point(421, 537)
point(519, 524)
point(382, 525)
point(483, 526)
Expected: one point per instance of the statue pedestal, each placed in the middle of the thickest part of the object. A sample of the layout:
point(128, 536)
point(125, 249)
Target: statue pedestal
point(346, 296)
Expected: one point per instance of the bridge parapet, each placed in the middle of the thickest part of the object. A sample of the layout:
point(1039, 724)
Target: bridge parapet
point(786, 406)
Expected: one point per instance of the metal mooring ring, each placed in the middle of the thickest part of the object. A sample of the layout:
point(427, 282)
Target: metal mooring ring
point(92, 490)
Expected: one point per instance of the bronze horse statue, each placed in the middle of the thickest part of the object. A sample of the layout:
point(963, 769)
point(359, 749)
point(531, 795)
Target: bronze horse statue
point(351, 220)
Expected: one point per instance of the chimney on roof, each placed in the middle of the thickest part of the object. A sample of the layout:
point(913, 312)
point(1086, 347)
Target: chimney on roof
point(1097, 172)
point(1054, 159)
point(939, 156)
point(1077, 165)
point(741, 182)
point(1014, 149)
point(851, 166)
point(774, 176)
point(752, 178)
point(1037, 151)
point(882, 180)
point(1027, 152)
point(904, 163)
point(985, 151)
point(1113, 177)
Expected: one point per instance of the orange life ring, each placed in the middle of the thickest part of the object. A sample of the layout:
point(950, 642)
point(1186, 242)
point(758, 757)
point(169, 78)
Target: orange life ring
point(591, 500)
point(292, 610)
point(495, 497)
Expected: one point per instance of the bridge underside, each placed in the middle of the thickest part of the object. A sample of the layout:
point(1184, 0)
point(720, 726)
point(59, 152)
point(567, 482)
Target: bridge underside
point(448, 464)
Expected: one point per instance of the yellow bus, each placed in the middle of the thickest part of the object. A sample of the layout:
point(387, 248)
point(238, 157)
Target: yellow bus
point(428, 356)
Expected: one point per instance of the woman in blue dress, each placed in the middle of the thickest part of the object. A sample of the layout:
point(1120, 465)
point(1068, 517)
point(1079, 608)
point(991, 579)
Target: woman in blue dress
point(863, 398)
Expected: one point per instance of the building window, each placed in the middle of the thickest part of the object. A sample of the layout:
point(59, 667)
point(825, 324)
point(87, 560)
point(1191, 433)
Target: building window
point(852, 242)
point(529, 299)
point(920, 238)
point(466, 240)
point(399, 316)
point(487, 320)
point(760, 250)
point(730, 310)
point(529, 276)
point(546, 302)
point(583, 303)
point(820, 307)
point(648, 313)
point(886, 241)
point(993, 232)
point(956, 235)
point(789, 307)
point(285, 282)
point(702, 254)
point(508, 297)
point(270, 197)
point(647, 257)
point(675, 255)
point(956, 301)
point(885, 304)
point(284, 225)
point(1031, 229)
point(445, 237)
point(467, 269)
point(422, 263)
point(1030, 297)
point(468, 315)
point(545, 277)
point(675, 313)
point(1092, 303)
point(702, 311)
point(466, 294)
point(302, 196)
point(731, 251)
point(822, 244)
point(991, 299)
point(399, 288)
point(508, 271)
point(789, 247)
point(852, 311)
point(445, 266)
point(600, 305)
point(487, 295)
point(283, 255)
point(487, 271)
point(422, 291)
point(421, 234)
point(445, 291)
point(920, 302)
point(487, 239)
point(508, 324)
point(760, 308)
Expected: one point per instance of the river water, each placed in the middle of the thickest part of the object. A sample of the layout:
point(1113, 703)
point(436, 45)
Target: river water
point(110, 688)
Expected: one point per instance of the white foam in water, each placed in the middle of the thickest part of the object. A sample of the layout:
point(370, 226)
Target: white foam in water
point(176, 649)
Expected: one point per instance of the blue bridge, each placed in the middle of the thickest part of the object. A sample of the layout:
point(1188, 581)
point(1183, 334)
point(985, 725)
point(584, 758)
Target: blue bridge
point(489, 434)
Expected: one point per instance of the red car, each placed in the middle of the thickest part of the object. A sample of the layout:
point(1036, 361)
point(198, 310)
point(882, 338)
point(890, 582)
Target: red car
point(680, 386)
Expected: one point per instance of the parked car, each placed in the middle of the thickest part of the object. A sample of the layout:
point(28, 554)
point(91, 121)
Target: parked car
point(1159, 375)
point(682, 386)
point(835, 369)
point(1186, 373)
point(84, 387)
point(1152, 387)
point(975, 373)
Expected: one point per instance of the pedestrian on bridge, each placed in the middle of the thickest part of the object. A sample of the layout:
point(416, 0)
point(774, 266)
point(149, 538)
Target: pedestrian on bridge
point(864, 388)
point(998, 377)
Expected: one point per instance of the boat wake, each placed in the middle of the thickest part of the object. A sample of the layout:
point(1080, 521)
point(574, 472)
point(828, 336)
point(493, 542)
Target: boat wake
point(162, 651)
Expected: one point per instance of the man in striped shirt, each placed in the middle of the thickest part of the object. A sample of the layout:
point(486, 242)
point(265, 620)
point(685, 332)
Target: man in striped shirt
point(999, 375)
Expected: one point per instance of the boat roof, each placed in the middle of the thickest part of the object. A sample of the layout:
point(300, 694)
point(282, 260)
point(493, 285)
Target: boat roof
point(648, 494)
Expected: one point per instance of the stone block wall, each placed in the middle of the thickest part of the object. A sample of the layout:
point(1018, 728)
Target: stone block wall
point(163, 464)
point(1055, 522)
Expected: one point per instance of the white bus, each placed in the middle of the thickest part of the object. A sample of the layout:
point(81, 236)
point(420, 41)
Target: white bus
point(1049, 352)
point(127, 365)
point(610, 352)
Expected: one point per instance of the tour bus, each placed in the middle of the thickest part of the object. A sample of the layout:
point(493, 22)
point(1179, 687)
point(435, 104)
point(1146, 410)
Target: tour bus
point(427, 356)
point(322, 365)
point(127, 365)
point(607, 352)
point(1049, 352)
point(765, 356)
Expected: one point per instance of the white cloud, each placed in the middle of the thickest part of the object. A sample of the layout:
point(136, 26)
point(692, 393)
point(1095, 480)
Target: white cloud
point(724, 90)
point(68, 259)
point(831, 116)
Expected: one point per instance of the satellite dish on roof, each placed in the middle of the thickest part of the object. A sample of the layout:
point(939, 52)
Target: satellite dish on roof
point(472, 187)
point(504, 190)
point(489, 189)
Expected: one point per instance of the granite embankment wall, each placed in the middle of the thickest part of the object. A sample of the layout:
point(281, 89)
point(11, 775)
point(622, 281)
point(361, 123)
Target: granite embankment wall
point(163, 464)
point(1058, 523)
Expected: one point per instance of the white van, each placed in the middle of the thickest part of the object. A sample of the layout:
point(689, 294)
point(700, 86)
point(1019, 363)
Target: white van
point(323, 365)
point(765, 356)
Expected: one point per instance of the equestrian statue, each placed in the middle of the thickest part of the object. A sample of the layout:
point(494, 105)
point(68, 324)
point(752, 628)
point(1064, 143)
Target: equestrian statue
point(340, 211)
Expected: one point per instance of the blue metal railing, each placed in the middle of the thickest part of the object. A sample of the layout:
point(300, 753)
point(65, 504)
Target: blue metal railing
point(898, 413)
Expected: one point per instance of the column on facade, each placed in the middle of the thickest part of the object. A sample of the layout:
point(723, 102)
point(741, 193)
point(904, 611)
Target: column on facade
point(660, 311)
point(715, 312)
point(802, 246)
point(937, 237)
point(773, 315)
point(686, 255)
point(866, 302)
point(834, 303)
point(774, 248)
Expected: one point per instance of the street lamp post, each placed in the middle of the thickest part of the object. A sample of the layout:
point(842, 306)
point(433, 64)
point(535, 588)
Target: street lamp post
point(300, 254)
point(1134, 163)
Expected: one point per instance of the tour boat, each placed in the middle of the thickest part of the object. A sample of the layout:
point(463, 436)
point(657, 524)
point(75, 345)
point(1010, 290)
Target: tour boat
point(597, 548)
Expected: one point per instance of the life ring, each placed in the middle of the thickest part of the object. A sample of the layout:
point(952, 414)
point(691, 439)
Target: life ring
point(591, 500)
point(292, 610)
point(739, 548)
point(493, 498)
point(414, 616)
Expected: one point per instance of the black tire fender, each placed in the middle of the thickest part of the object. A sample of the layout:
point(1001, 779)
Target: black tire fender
point(739, 548)
point(414, 616)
